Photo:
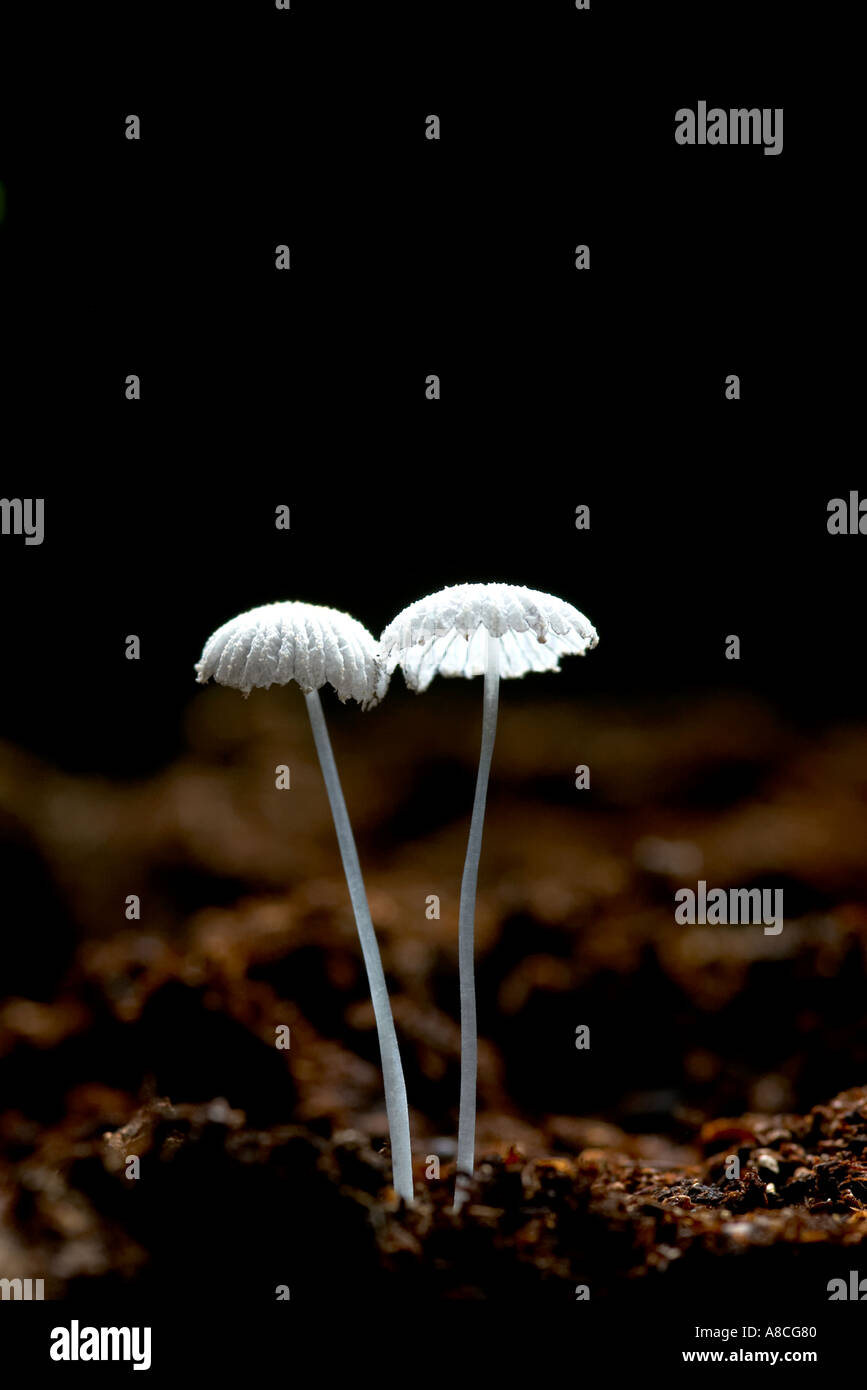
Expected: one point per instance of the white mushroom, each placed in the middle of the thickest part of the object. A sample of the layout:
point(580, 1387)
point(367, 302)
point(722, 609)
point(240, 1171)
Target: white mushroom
point(301, 642)
point(315, 646)
point(471, 630)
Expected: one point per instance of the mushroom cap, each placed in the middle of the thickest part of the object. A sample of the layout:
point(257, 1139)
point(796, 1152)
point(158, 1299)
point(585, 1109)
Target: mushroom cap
point(444, 634)
point(301, 642)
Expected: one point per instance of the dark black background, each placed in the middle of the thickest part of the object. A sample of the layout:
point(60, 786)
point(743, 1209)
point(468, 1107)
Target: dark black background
point(408, 256)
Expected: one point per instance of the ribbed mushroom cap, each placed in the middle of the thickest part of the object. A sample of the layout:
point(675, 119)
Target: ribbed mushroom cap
point(301, 642)
point(444, 634)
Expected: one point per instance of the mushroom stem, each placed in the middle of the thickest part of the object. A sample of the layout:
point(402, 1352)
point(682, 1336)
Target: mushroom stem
point(392, 1071)
point(466, 931)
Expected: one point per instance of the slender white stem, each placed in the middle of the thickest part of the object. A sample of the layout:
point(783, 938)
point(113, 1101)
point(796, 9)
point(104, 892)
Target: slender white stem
point(466, 930)
point(392, 1071)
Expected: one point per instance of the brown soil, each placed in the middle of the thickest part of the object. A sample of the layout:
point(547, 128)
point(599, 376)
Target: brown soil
point(261, 1167)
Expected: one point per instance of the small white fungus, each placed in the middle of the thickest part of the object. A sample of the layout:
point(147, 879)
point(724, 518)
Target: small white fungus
point(444, 634)
point(301, 642)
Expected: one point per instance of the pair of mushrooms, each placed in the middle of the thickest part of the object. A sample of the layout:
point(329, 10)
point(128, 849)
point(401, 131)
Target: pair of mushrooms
point(467, 630)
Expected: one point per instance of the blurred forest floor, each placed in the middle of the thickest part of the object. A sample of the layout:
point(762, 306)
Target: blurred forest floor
point(156, 1037)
